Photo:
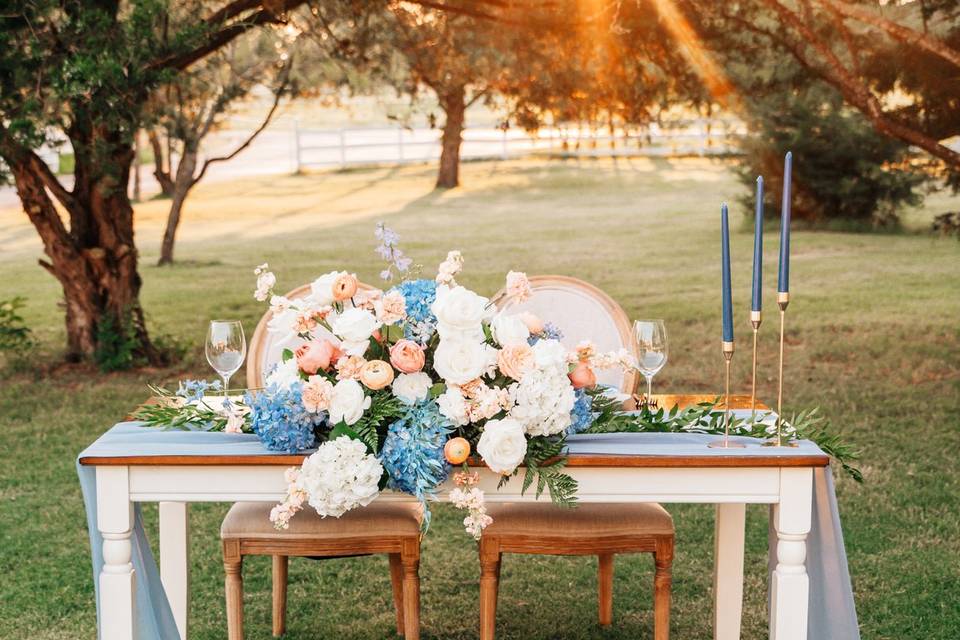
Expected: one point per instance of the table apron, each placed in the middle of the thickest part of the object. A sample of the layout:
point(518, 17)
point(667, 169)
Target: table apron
point(596, 484)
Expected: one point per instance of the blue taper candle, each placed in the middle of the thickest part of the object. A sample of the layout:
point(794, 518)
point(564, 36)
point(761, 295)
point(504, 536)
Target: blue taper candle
point(757, 299)
point(783, 279)
point(727, 305)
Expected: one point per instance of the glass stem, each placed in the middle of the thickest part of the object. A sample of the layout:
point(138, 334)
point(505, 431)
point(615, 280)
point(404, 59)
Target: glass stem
point(226, 388)
point(649, 391)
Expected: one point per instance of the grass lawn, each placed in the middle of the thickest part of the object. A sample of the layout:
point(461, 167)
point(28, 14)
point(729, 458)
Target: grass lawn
point(872, 339)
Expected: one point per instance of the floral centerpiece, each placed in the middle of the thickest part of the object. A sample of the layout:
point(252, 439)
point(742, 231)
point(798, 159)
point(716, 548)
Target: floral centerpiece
point(396, 388)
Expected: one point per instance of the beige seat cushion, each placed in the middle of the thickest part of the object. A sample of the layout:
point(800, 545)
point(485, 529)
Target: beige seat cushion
point(252, 520)
point(582, 521)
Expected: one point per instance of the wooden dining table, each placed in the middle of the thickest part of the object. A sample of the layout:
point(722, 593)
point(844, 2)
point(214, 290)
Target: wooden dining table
point(729, 479)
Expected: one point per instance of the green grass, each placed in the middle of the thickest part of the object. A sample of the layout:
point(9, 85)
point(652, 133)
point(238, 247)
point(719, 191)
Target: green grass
point(872, 339)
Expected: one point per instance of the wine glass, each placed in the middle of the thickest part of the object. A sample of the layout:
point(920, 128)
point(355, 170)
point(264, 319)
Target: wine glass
point(226, 349)
point(651, 338)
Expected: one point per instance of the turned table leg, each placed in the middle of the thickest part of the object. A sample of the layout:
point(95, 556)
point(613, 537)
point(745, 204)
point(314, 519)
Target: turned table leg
point(117, 580)
point(728, 570)
point(790, 587)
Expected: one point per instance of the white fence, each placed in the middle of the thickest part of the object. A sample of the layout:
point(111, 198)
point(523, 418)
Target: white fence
point(355, 147)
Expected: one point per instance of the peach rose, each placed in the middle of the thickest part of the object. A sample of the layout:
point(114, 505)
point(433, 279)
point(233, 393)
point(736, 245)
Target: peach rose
point(391, 308)
point(407, 356)
point(376, 374)
point(514, 360)
point(582, 376)
point(316, 355)
point(344, 287)
point(533, 322)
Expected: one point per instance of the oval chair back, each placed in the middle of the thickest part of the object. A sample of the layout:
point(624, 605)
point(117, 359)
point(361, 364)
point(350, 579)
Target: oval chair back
point(580, 311)
point(265, 350)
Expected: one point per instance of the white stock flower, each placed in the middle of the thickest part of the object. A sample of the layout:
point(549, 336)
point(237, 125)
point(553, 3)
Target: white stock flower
point(284, 374)
point(509, 329)
point(340, 476)
point(347, 402)
point(460, 313)
point(454, 407)
point(502, 445)
point(354, 328)
point(321, 290)
point(460, 361)
point(449, 268)
point(412, 387)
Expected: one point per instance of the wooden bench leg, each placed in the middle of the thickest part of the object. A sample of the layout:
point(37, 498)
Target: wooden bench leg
point(663, 560)
point(605, 587)
point(489, 586)
point(396, 581)
point(410, 560)
point(233, 568)
point(279, 595)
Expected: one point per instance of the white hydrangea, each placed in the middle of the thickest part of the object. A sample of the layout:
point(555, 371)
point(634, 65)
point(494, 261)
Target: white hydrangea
point(453, 406)
point(284, 374)
point(544, 399)
point(340, 476)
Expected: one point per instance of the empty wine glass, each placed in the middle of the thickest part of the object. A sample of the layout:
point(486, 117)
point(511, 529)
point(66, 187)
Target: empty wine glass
point(651, 337)
point(226, 349)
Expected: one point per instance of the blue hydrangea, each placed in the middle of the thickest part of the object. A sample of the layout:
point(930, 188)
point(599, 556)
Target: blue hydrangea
point(550, 332)
point(412, 452)
point(194, 390)
point(280, 421)
point(418, 295)
point(582, 414)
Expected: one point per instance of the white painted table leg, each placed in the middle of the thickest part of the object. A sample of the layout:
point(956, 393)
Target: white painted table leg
point(117, 580)
point(175, 560)
point(790, 586)
point(728, 571)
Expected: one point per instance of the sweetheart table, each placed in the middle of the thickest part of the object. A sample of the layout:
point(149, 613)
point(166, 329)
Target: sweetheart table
point(810, 596)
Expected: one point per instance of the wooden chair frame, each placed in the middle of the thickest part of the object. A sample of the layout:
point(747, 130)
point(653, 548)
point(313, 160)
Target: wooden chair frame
point(614, 310)
point(492, 548)
point(403, 550)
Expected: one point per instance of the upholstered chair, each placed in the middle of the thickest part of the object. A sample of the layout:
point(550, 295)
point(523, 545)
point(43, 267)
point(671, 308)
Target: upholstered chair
point(580, 311)
point(379, 528)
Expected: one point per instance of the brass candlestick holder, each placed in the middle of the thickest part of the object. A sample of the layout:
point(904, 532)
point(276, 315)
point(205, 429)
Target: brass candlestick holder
point(783, 299)
point(725, 443)
point(756, 318)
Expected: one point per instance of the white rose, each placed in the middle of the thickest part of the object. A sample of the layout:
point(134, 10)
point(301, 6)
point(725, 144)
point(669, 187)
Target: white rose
point(354, 327)
point(460, 361)
point(550, 354)
point(502, 445)
point(454, 407)
point(283, 326)
point(412, 387)
point(321, 290)
point(460, 312)
point(347, 402)
point(509, 329)
point(284, 374)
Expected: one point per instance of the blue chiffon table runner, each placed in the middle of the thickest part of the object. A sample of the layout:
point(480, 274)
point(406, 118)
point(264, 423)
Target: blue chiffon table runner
point(832, 611)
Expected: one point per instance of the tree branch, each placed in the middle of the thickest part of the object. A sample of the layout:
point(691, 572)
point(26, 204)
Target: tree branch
point(228, 33)
point(263, 125)
point(856, 93)
point(896, 31)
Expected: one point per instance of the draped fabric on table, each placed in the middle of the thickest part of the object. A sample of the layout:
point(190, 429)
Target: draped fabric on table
point(832, 612)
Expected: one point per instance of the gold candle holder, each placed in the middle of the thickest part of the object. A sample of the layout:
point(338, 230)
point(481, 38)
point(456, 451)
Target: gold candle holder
point(783, 299)
point(725, 443)
point(755, 319)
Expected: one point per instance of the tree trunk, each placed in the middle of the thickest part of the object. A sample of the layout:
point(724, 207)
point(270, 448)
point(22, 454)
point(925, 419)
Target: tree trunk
point(181, 187)
point(454, 106)
point(160, 172)
point(95, 261)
